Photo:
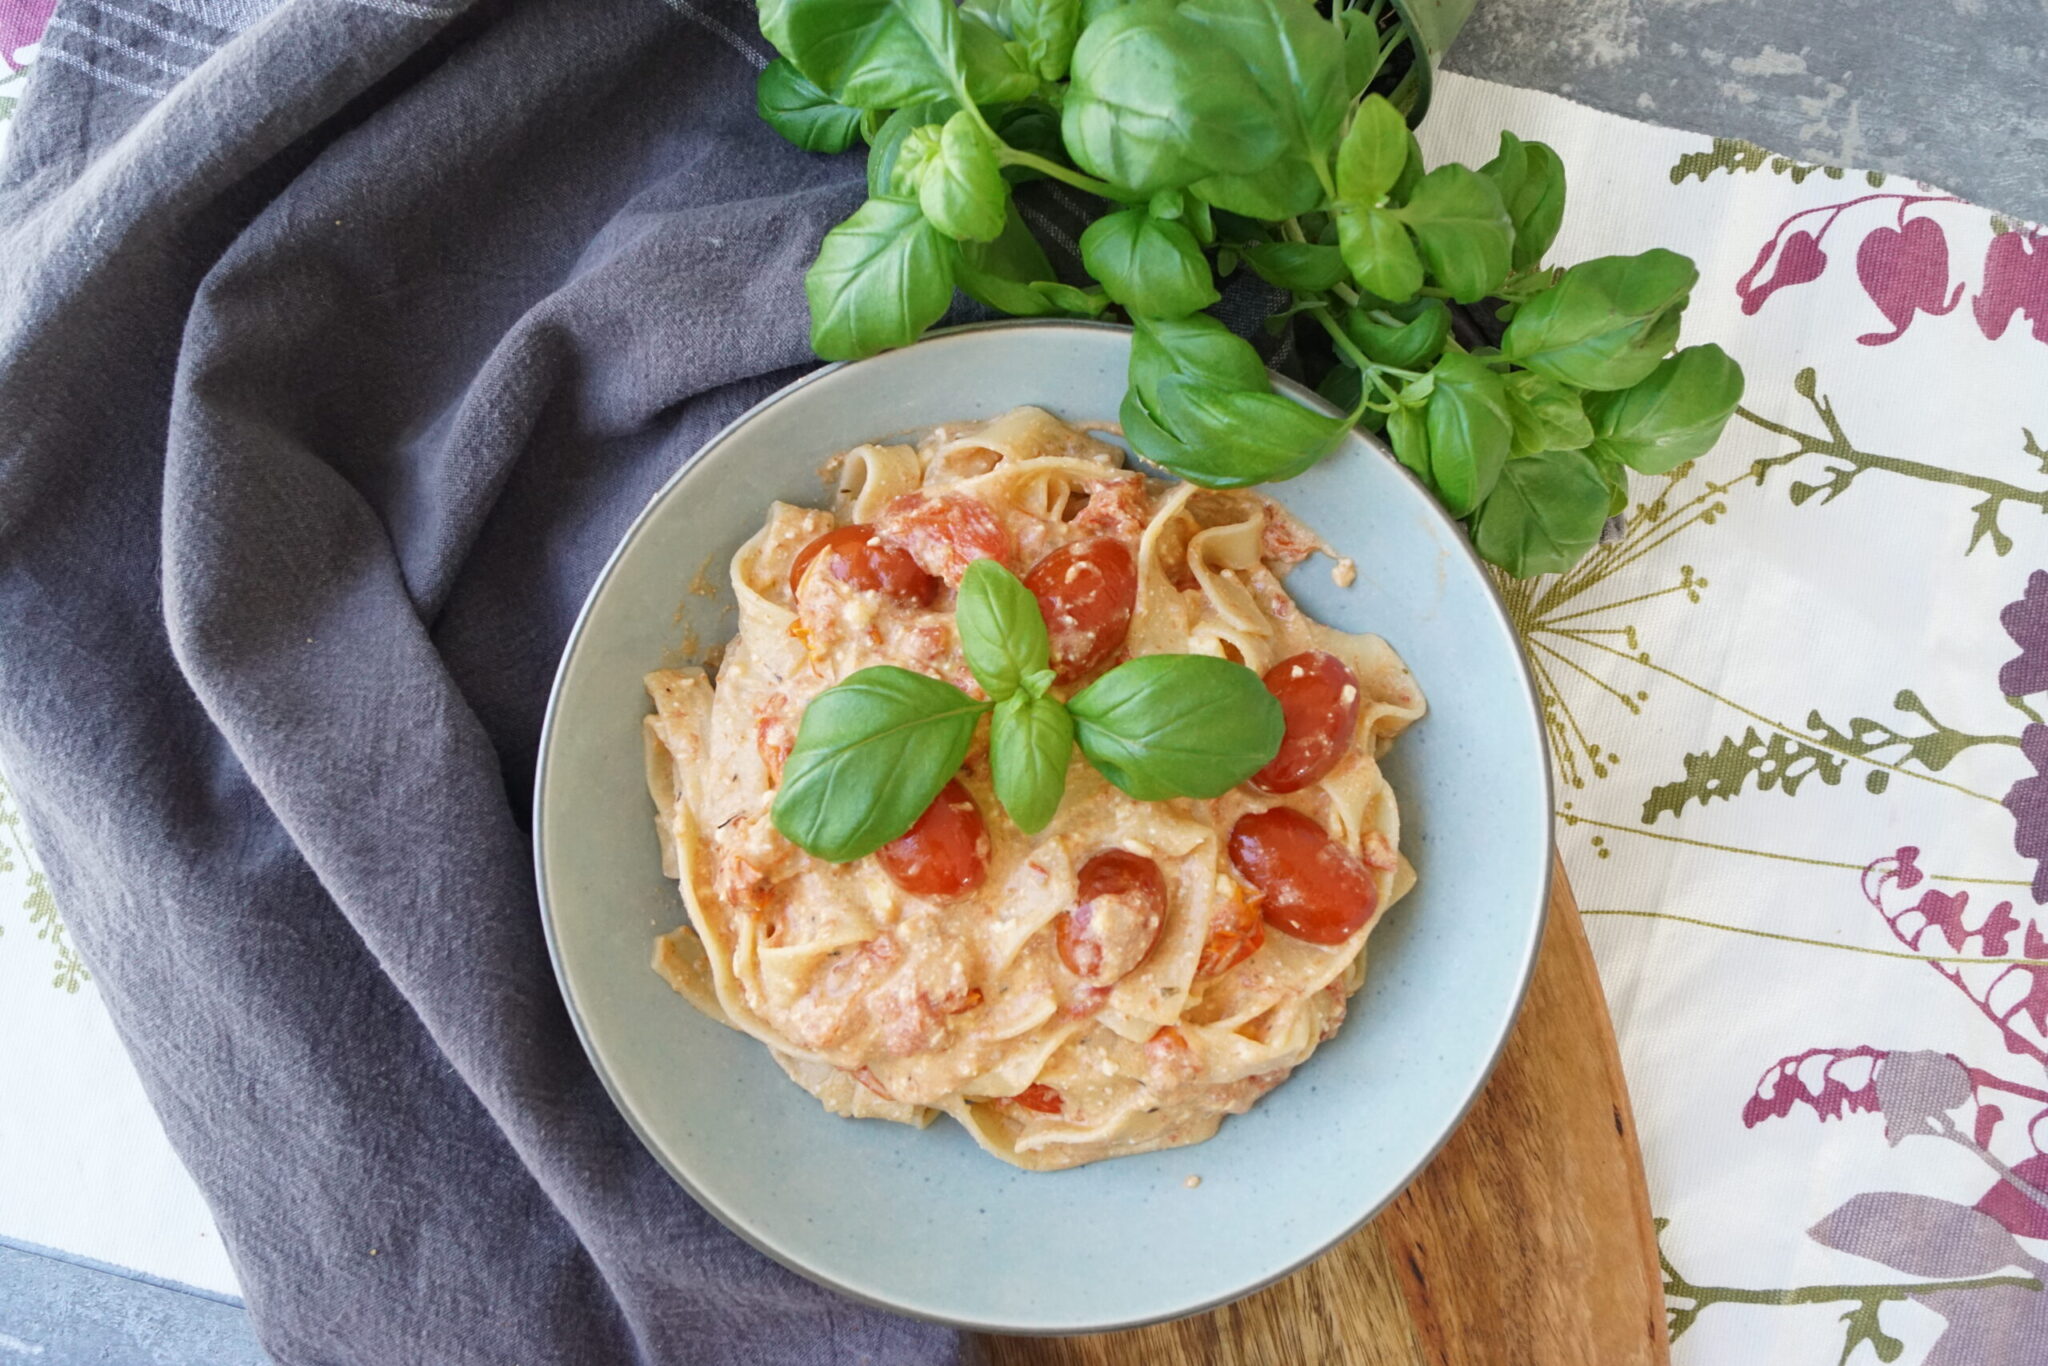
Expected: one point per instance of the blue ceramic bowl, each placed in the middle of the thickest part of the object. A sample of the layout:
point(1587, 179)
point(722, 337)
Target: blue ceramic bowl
point(924, 1222)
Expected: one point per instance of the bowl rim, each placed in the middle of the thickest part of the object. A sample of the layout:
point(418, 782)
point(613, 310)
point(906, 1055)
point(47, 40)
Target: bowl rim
point(1530, 951)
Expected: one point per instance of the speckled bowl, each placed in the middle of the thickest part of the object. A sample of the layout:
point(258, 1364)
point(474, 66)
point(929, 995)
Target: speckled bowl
point(924, 1222)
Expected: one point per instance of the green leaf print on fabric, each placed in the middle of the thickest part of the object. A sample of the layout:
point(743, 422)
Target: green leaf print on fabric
point(68, 970)
point(1733, 155)
point(1779, 763)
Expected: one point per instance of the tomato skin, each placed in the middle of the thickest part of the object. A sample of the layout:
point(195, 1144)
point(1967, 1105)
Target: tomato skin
point(1169, 1057)
point(1039, 1097)
point(945, 852)
point(1119, 907)
point(1319, 697)
point(946, 532)
point(856, 556)
point(1235, 933)
point(1310, 886)
point(1086, 592)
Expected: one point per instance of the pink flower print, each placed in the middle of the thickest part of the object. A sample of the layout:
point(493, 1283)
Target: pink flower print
point(2015, 281)
point(2027, 800)
point(1800, 259)
point(2026, 621)
point(1904, 270)
point(1832, 1081)
point(21, 22)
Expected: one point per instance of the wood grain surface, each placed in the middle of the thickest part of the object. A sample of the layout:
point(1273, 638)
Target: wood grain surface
point(1527, 1242)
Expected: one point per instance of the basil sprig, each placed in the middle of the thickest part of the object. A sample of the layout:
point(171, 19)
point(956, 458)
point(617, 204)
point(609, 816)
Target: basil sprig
point(873, 751)
point(1264, 133)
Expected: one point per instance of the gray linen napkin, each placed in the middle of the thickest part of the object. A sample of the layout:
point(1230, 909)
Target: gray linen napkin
point(339, 342)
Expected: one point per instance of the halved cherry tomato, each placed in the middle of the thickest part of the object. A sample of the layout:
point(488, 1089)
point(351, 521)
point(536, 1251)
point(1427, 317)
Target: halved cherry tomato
point(858, 557)
point(1040, 1097)
point(1318, 696)
point(1086, 592)
point(945, 852)
point(945, 533)
point(1118, 909)
point(1235, 934)
point(1170, 1057)
point(1310, 886)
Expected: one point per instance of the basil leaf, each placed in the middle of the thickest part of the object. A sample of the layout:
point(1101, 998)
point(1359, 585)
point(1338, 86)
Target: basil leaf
point(1464, 231)
point(1048, 29)
point(1546, 415)
point(1544, 514)
point(1177, 726)
point(1002, 273)
point(887, 146)
point(881, 277)
point(871, 753)
point(914, 157)
point(1616, 475)
point(1233, 438)
point(1407, 336)
point(1001, 630)
point(992, 71)
point(1086, 303)
point(1469, 431)
point(1304, 267)
point(868, 54)
point(801, 112)
point(1509, 168)
point(1152, 103)
point(1373, 154)
point(1031, 128)
point(1606, 323)
point(1152, 266)
point(1674, 414)
point(1408, 434)
point(1364, 53)
point(1030, 741)
point(1537, 205)
point(1377, 249)
point(962, 191)
point(1198, 347)
point(1286, 46)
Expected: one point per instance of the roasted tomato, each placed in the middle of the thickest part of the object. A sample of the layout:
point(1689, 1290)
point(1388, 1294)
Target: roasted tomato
point(1040, 1097)
point(946, 532)
point(859, 558)
point(1086, 592)
point(1318, 696)
point(1118, 909)
point(945, 853)
point(1235, 934)
point(1309, 886)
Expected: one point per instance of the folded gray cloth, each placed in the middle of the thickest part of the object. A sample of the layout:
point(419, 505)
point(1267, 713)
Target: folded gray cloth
point(339, 342)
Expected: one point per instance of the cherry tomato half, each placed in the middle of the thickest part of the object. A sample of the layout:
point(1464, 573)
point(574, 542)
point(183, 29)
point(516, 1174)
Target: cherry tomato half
point(1318, 696)
point(1310, 886)
point(1118, 909)
point(945, 853)
point(945, 533)
point(858, 557)
point(1040, 1097)
point(1086, 591)
point(1235, 934)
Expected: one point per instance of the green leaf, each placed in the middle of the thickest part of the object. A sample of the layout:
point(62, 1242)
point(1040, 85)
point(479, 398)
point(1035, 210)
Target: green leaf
point(1233, 438)
point(1304, 267)
point(1463, 229)
point(1373, 154)
point(1152, 266)
point(1048, 29)
point(1547, 416)
point(1537, 205)
point(1165, 726)
point(1469, 431)
point(1003, 273)
point(886, 148)
point(1672, 415)
point(1152, 102)
point(871, 753)
point(1364, 51)
point(881, 278)
point(1509, 167)
point(1407, 336)
point(1195, 347)
point(801, 112)
point(991, 69)
point(1606, 323)
point(915, 154)
point(1546, 511)
point(1030, 740)
point(1408, 434)
point(1616, 476)
point(1033, 128)
point(868, 54)
point(1001, 630)
point(1377, 249)
point(1087, 303)
point(1411, 173)
point(962, 190)
point(1294, 64)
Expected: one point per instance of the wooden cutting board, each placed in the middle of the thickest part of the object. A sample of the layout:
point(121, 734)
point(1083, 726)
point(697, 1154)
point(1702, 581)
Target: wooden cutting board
point(1527, 1242)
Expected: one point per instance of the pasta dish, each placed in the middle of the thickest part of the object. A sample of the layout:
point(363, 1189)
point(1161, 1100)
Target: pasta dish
point(1125, 977)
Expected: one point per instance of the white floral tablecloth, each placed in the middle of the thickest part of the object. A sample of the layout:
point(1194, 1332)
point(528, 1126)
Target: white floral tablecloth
point(1803, 785)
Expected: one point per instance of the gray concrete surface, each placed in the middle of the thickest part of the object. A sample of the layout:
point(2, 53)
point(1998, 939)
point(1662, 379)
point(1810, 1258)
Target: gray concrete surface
point(1949, 91)
point(57, 1311)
